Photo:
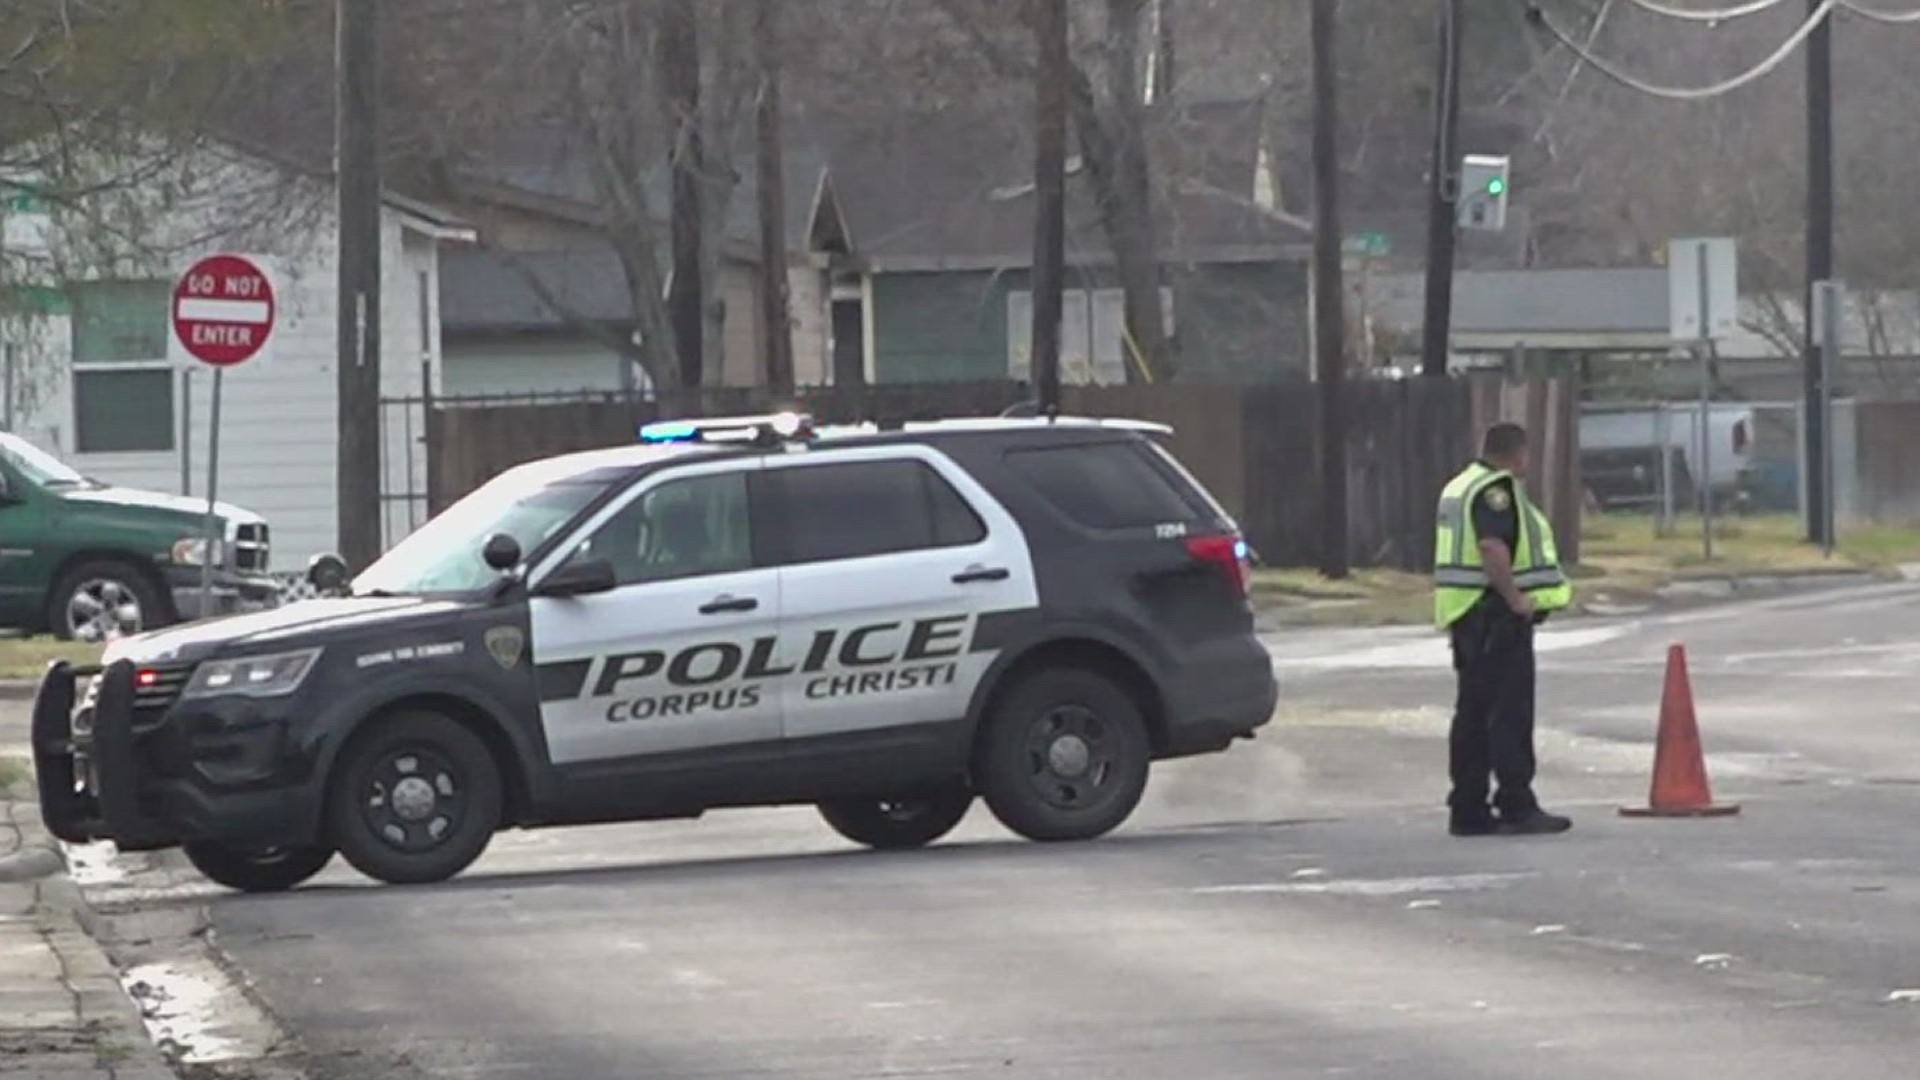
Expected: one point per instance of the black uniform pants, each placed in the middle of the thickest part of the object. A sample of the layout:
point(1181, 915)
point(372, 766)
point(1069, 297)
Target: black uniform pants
point(1493, 711)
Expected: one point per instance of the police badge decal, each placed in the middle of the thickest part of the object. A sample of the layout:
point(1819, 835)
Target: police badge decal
point(504, 644)
point(1498, 499)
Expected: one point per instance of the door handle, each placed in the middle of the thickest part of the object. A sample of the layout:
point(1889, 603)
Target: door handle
point(974, 574)
point(723, 604)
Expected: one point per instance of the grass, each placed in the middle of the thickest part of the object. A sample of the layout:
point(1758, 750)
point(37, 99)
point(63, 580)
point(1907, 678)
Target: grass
point(1367, 598)
point(27, 658)
point(1622, 561)
point(13, 774)
point(1743, 546)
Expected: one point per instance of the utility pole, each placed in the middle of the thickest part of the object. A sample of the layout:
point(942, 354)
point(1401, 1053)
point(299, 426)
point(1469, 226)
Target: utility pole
point(1050, 200)
point(679, 62)
point(357, 152)
point(1329, 293)
point(1819, 267)
point(773, 198)
point(1443, 189)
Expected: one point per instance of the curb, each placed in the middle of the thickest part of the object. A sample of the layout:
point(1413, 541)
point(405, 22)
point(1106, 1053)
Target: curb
point(33, 862)
point(18, 690)
point(89, 974)
point(94, 982)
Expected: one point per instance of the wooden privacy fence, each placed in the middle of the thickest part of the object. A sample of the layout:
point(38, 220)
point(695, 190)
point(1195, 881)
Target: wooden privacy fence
point(1253, 446)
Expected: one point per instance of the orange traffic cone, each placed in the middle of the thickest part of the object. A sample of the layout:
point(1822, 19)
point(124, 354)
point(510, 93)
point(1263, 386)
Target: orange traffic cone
point(1680, 786)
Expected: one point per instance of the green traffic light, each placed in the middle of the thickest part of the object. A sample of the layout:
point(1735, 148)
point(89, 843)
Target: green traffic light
point(1496, 186)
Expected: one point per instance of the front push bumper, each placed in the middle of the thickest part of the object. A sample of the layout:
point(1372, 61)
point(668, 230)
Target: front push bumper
point(89, 782)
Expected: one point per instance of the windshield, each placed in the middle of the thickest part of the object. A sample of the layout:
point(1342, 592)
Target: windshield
point(443, 556)
point(39, 467)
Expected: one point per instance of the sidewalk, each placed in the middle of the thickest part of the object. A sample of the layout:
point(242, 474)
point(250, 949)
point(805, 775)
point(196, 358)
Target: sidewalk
point(63, 1015)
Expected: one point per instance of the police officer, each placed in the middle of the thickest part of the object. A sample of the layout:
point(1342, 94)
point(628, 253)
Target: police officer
point(1496, 576)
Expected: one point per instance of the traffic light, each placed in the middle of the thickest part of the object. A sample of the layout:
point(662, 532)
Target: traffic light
point(1483, 192)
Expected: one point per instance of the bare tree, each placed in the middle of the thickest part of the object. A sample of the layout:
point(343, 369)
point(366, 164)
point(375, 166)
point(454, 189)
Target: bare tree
point(1049, 195)
point(730, 83)
point(106, 164)
point(770, 171)
point(1110, 129)
point(576, 102)
point(677, 58)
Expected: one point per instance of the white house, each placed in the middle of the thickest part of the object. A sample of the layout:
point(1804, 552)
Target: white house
point(94, 375)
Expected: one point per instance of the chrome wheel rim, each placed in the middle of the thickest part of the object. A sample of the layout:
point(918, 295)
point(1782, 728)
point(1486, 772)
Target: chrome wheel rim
point(103, 609)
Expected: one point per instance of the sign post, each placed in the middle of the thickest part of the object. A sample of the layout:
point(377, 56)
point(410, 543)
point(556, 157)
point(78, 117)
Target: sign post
point(1703, 306)
point(223, 314)
point(1828, 296)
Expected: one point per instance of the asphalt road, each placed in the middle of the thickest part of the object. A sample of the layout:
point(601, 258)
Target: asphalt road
point(1290, 909)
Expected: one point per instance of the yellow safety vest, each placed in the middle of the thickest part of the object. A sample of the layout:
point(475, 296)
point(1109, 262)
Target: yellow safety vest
point(1459, 577)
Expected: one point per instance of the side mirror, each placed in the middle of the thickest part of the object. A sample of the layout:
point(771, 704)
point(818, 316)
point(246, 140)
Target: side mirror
point(581, 578)
point(502, 552)
point(327, 574)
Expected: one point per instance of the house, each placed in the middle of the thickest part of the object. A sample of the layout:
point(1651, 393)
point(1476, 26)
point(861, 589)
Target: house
point(542, 302)
point(94, 375)
point(909, 257)
point(941, 219)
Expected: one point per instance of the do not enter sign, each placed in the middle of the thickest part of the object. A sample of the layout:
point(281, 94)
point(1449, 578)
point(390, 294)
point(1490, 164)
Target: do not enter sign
point(223, 310)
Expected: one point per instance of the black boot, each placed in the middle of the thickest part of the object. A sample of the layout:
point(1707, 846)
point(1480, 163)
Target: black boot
point(1533, 822)
point(1472, 822)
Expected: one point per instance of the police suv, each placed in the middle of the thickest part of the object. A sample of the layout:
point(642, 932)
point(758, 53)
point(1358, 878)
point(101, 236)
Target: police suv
point(739, 612)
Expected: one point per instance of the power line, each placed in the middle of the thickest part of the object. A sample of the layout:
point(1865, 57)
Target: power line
point(1740, 11)
point(1891, 18)
point(1683, 93)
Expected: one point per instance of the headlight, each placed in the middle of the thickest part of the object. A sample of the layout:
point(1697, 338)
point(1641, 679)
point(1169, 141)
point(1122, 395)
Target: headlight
point(192, 551)
point(253, 676)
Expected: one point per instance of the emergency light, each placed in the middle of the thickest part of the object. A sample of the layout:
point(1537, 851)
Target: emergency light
point(773, 428)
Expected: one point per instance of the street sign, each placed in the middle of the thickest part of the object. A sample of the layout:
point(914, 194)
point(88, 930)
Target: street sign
point(223, 310)
point(1703, 297)
point(1373, 245)
point(222, 316)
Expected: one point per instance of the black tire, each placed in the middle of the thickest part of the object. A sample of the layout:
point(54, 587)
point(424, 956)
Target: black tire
point(1063, 755)
point(906, 821)
point(264, 871)
point(447, 787)
point(100, 582)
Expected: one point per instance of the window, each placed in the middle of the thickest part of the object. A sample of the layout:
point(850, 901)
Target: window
point(1104, 485)
point(681, 529)
point(867, 508)
point(444, 555)
point(1092, 342)
point(122, 383)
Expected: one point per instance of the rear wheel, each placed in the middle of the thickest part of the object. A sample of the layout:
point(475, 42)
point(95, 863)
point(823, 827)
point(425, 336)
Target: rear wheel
point(415, 799)
point(256, 870)
point(1063, 756)
point(906, 821)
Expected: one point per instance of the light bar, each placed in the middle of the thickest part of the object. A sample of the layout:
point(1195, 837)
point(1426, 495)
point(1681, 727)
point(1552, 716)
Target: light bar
point(775, 427)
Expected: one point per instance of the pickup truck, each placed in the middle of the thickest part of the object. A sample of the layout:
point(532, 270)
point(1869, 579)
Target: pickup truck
point(88, 561)
point(1620, 454)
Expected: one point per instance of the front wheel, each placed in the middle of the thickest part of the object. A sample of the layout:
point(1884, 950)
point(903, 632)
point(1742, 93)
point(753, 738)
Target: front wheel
point(415, 799)
point(104, 601)
point(256, 871)
point(907, 821)
point(1063, 756)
